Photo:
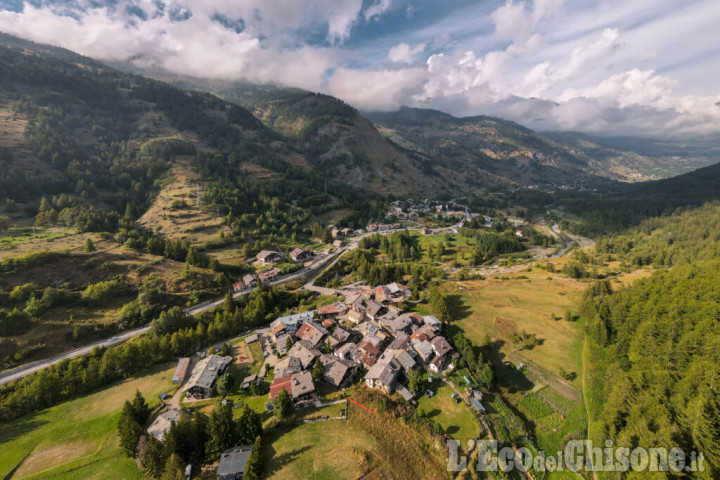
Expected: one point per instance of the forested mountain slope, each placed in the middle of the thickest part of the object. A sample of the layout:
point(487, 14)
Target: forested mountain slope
point(656, 343)
point(628, 205)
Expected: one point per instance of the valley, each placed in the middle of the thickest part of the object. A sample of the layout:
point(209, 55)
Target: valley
point(230, 275)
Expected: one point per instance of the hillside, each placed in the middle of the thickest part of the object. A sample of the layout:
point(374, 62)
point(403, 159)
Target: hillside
point(644, 158)
point(628, 205)
point(338, 141)
point(657, 338)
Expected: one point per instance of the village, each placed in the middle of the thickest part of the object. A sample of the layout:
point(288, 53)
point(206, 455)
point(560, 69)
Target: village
point(364, 340)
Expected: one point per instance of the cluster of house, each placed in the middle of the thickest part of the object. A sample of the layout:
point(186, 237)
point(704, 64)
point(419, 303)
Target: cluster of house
point(367, 332)
point(269, 257)
point(383, 227)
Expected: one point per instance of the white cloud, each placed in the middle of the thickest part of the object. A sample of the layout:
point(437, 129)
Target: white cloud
point(544, 63)
point(377, 8)
point(402, 53)
point(381, 90)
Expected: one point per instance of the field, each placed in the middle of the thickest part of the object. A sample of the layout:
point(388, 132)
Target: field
point(74, 270)
point(175, 213)
point(322, 450)
point(499, 308)
point(455, 418)
point(78, 432)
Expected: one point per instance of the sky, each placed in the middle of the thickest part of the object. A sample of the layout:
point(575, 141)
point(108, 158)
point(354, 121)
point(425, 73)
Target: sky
point(607, 67)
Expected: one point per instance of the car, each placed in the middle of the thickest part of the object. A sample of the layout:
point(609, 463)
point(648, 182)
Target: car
point(429, 393)
point(454, 395)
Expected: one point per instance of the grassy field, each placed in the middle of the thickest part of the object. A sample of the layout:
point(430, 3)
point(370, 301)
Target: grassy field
point(499, 308)
point(78, 432)
point(320, 451)
point(455, 418)
point(186, 222)
point(74, 270)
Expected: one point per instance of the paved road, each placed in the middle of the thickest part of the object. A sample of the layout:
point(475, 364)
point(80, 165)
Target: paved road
point(24, 370)
point(313, 271)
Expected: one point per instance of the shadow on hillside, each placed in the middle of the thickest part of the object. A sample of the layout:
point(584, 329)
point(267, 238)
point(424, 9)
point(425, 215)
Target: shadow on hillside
point(458, 308)
point(277, 463)
point(18, 428)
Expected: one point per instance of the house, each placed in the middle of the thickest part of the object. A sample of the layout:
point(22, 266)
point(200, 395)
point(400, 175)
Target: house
point(401, 341)
point(249, 280)
point(299, 386)
point(346, 232)
point(335, 233)
point(405, 393)
point(433, 322)
point(356, 317)
point(337, 371)
point(247, 381)
point(251, 338)
point(360, 304)
point(440, 346)
point(328, 323)
point(399, 324)
point(202, 380)
point(293, 322)
point(268, 275)
point(299, 254)
point(382, 294)
point(437, 364)
point(181, 370)
point(332, 310)
point(424, 349)
point(238, 287)
point(266, 257)
point(519, 233)
point(407, 360)
point(349, 351)
point(305, 352)
point(159, 427)
point(233, 462)
point(478, 406)
point(426, 330)
point(337, 243)
point(288, 366)
point(383, 375)
point(370, 353)
point(281, 342)
point(340, 336)
point(398, 291)
point(277, 331)
point(312, 333)
point(425, 230)
point(416, 318)
point(374, 310)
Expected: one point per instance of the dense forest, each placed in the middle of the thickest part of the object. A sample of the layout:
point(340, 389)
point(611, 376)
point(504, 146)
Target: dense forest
point(658, 337)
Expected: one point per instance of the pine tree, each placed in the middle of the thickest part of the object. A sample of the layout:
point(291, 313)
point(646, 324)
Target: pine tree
point(253, 468)
point(222, 430)
point(174, 469)
point(283, 405)
point(140, 408)
point(200, 436)
point(288, 344)
point(89, 246)
point(130, 432)
point(249, 425)
point(317, 370)
point(154, 460)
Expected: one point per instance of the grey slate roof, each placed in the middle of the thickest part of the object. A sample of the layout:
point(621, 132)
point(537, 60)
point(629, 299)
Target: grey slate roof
point(206, 371)
point(233, 460)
